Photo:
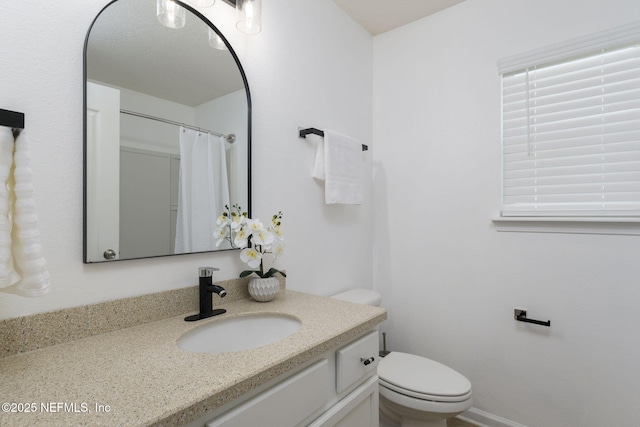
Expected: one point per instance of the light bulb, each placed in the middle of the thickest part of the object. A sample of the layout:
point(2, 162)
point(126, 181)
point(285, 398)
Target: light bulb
point(170, 14)
point(202, 3)
point(249, 16)
point(216, 41)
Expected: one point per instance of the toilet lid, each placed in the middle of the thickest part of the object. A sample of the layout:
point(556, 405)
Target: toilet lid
point(422, 378)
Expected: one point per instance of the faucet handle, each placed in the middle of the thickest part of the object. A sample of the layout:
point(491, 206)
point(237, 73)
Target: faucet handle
point(207, 271)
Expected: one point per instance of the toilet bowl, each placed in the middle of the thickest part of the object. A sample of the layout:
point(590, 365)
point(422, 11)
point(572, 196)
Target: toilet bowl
point(414, 391)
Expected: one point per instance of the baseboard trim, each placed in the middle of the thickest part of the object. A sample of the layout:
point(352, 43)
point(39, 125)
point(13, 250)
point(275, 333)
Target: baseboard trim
point(485, 419)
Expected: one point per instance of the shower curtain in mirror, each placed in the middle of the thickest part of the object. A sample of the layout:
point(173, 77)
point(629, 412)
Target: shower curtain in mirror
point(203, 190)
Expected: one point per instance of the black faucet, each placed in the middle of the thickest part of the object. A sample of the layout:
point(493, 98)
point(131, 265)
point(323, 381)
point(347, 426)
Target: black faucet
point(206, 288)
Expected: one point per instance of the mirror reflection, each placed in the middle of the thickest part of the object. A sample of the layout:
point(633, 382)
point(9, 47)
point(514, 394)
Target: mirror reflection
point(167, 134)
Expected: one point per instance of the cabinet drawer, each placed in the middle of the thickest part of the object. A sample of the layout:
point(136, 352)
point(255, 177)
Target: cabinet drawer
point(358, 409)
point(356, 361)
point(285, 404)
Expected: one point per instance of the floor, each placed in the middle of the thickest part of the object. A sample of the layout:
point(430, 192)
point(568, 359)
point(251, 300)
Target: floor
point(451, 422)
point(455, 422)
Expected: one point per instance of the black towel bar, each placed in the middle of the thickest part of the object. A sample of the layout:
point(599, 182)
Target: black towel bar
point(521, 316)
point(314, 131)
point(11, 119)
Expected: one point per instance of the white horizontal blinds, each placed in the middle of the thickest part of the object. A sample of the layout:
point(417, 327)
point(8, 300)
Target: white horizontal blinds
point(571, 136)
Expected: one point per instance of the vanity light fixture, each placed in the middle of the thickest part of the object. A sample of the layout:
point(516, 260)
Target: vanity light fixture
point(249, 14)
point(216, 41)
point(170, 14)
point(202, 3)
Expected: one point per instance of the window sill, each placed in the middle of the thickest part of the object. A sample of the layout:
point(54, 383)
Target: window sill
point(578, 225)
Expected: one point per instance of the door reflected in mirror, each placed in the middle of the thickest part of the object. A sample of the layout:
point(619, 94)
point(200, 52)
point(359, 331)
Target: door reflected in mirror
point(167, 134)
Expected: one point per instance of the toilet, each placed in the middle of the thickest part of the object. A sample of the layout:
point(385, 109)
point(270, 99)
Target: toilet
point(414, 391)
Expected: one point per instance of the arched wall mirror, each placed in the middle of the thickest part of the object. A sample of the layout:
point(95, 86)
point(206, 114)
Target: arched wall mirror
point(160, 106)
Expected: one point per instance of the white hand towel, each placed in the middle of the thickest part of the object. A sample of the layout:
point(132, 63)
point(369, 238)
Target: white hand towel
point(342, 169)
point(318, 166)
point(27, 251)
point(8, 275)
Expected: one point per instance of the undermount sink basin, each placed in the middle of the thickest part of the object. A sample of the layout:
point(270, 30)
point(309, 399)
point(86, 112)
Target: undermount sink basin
point(238, 333)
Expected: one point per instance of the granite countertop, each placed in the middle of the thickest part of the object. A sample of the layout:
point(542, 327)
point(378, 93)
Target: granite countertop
point(138, 376)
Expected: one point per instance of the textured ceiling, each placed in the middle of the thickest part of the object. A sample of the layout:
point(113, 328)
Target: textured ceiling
point(129, 48)
point(379, 16)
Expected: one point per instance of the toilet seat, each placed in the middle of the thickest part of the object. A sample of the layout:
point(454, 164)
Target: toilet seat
point(422, 378)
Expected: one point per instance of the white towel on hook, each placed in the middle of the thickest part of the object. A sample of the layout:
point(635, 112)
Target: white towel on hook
point(8, 275)
point(339, 163)
point(29, 262)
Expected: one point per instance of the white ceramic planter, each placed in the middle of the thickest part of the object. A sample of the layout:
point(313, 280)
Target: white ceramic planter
point(264, 289)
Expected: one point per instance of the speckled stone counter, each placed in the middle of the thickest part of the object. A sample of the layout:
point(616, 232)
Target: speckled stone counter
point(138, 376)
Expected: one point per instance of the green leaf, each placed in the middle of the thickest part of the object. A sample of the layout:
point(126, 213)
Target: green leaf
point(247, 273)
point(272, 272)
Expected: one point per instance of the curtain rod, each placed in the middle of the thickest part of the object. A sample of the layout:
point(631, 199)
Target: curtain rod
point(231, 138)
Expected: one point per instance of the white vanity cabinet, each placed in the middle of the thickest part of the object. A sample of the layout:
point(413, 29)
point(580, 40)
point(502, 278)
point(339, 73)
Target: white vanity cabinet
point(285, 404)
point(358, 409)
point(356, 386)
point(338, 388)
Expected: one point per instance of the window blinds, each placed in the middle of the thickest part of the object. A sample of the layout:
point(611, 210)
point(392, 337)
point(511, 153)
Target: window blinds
point(571, 135)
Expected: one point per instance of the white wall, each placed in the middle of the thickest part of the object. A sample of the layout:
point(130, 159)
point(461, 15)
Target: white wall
point(301, 72)
point(449, 280)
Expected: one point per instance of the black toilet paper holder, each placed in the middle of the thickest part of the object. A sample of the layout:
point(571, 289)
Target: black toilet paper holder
point(521, 316)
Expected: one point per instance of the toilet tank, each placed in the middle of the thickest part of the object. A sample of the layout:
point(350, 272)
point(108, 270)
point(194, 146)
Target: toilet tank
point(360, 296)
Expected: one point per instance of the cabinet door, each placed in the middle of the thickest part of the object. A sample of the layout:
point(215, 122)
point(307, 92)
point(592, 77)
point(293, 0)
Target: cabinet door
point(358, 409)
point(284, 405)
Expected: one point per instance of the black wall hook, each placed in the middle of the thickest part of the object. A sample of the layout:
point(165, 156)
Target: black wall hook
point(521, 316)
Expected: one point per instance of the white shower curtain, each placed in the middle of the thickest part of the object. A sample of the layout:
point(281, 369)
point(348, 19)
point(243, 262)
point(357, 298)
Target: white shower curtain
point(203, 190)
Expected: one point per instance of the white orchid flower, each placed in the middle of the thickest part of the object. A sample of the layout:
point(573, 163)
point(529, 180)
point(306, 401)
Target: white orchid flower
point(277, 232)
point(237, 221)
point(251, 235)
point(220, 234)
point(223, 220)
point(255, 225)
point(277, 249)
point(241, 239)
point(263, 237)
point(251, 257)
